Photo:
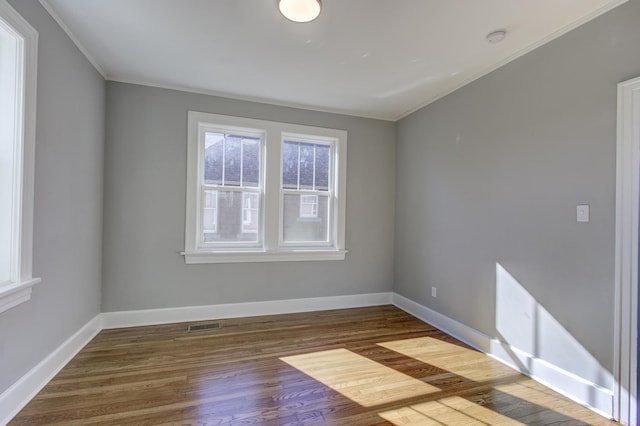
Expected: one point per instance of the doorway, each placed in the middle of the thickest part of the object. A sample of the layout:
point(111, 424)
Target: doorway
point(626, 257)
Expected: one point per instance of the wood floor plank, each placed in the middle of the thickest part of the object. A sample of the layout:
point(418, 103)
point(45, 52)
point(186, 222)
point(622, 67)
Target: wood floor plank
point(365, 366)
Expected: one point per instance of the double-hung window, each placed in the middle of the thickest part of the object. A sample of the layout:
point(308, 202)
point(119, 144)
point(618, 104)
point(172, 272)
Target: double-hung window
point(230, 180)
point(18, 56)
point(307, 191)
point(263, 191)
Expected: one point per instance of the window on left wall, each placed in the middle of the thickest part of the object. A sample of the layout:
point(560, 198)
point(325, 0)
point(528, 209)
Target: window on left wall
point(18, 64)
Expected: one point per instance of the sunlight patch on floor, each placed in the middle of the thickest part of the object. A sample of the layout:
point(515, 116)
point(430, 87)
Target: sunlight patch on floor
point(447, 411)
point(463, 362)
point(536, 393)
point(358, 378)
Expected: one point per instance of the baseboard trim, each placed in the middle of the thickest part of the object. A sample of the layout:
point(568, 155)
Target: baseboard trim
point(21, 392)
point(235, 310)
point(580, 390)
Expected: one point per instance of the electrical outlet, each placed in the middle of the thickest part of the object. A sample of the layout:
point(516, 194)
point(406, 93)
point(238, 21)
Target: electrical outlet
point(433, 292)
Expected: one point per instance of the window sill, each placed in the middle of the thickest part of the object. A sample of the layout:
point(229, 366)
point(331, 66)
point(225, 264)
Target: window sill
point(14, 294)
point(262, 256)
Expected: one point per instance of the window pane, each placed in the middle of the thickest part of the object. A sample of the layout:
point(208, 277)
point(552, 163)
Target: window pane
point(249, 212)
point(250, 162)
point(307, 164)
point(308, 206)
point(210, 212)
point(323, 165)
point(290, 165)
point(231, 213)
point(213, 149)
point(232, 160)
point(305, 229)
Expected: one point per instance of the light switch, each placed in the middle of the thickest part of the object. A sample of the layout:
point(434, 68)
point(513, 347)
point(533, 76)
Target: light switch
point(582, 213)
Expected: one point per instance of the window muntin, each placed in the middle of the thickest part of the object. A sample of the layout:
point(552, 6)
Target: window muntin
point(246, 219)
point(230, 181)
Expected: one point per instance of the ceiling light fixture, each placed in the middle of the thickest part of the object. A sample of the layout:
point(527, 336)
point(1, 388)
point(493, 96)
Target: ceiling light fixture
point(496, 36)
point(300, 10)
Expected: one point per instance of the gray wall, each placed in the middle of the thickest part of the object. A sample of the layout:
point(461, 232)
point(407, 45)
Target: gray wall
point(492, 174)
point(145, 172)
point(68, 202)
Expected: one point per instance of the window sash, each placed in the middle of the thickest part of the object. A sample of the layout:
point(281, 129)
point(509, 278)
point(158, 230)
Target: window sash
point(329, 192)
point(229, 244)
point(331, 229)
point(224, 187)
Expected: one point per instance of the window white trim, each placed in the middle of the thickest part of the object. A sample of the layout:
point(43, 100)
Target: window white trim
point(18, 289)
point(270, 213)
point(626, 253)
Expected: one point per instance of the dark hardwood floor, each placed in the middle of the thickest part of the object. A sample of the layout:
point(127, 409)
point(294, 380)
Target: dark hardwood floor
point(365, 366)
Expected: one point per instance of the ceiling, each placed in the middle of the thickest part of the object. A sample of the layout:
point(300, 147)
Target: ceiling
point(372, 58)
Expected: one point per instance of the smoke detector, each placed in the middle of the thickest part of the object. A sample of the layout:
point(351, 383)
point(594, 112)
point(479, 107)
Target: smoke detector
point(496, 36)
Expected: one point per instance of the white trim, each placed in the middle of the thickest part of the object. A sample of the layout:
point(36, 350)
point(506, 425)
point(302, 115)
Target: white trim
point(21, 392)
point(626, 252)
point(19, 290)
point(16, 397)
point(263, 256)
point(49, 8)
point(269, 247)
point(14, 294)
point(516, 55)
point(236, 310)
point(564, 382)
point(253, 99)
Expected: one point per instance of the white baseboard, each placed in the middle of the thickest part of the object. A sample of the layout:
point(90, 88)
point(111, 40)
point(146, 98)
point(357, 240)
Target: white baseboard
point(21, 392)
point(580, 390)
point(236, 310)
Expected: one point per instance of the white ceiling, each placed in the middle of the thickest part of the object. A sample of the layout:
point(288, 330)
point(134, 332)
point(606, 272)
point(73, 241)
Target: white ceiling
point(372, 58)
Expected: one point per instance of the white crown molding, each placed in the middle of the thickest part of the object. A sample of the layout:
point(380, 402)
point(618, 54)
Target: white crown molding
point(254, 99)
point(21, 392)
point(49, 8)
point(516, 55)
point(578, 389)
